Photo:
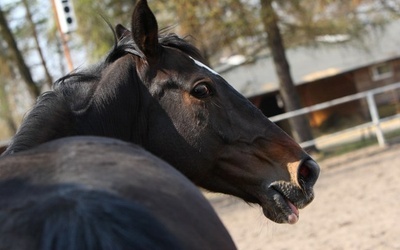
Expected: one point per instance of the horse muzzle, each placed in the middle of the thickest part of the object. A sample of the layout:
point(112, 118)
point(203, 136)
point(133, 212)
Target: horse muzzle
point(286, 198)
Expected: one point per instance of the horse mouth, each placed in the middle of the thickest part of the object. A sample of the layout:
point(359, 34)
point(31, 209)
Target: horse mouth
point(282, 206)
point(283, 211)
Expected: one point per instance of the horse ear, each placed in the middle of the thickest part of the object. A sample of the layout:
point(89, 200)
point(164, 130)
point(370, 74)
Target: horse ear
point(145, 30)
point(121, 31)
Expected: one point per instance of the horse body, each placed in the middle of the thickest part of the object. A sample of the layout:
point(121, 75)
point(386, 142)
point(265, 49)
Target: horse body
point(153, 90)
point(97, 193)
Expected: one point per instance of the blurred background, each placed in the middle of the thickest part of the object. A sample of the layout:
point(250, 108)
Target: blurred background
point(282, 55)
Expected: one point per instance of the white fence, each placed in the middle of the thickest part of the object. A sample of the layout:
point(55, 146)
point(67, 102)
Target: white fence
point(376, 124)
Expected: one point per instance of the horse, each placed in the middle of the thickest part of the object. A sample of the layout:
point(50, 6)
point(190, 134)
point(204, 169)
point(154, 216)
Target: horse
point(154, 90)
point(102, 193)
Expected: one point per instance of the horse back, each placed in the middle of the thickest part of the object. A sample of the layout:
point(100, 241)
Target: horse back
point(126, 175)
point(69, 216)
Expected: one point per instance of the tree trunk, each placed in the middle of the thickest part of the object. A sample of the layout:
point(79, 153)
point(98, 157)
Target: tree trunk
point(300, 125)
point(49, 79)
point(5, 111)
point(19, 60)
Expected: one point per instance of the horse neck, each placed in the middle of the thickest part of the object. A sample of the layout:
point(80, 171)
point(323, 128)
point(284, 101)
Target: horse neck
point(117, 107)
point(49, 119)
point(113, 107)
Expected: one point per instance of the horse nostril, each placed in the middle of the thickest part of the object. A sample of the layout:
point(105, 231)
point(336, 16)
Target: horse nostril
point(308, 173)
point(304, 171)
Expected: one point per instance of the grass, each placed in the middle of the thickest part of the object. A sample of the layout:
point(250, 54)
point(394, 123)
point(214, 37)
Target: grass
point(337, 123)
point(391, 137)
point(346, 148)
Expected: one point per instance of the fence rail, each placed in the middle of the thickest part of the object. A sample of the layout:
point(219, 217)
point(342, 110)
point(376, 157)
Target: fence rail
point(375, 122)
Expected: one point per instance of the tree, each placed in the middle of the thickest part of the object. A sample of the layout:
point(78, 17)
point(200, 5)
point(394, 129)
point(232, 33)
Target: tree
point(393, 7)
point(216, 26)
point(300, 125)
point(212, 25)
point(93, 30)
point(301, 23)
point(35, 36)
point(17, 56)
point(5, 109)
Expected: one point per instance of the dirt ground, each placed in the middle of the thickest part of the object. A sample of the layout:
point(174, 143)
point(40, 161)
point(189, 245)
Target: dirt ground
point(357, 206)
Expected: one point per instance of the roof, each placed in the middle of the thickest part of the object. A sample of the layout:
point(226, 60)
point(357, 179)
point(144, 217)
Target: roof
point(313, 63)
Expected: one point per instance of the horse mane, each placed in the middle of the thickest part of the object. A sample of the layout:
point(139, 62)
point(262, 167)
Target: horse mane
point(70, 216)
point(174, 41)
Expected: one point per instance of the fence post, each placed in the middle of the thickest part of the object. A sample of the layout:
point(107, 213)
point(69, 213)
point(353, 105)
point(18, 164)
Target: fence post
point(375, 119)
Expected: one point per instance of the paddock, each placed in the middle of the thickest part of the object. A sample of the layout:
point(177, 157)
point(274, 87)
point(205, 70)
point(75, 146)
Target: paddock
point(356, 207)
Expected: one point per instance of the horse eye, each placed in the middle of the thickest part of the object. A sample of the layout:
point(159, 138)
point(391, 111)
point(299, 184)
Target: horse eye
point(201, 90)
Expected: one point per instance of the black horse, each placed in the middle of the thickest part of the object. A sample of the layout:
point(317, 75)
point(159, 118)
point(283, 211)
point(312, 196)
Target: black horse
point(101, 193)
point(153, 90)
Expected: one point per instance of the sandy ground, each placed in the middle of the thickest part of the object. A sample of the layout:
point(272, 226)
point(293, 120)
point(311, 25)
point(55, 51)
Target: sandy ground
point(357, 206)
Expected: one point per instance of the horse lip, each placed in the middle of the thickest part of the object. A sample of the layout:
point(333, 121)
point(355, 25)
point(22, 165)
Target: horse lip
point(282, 197)
point(298, 196)
point(282, 206)
point(288, 207)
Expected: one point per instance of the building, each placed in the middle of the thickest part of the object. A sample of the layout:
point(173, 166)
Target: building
point(335, 67)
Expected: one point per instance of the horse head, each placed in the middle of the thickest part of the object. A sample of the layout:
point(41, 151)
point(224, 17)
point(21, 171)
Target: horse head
point(214, 135)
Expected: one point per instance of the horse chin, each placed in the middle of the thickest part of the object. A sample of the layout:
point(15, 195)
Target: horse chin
point(276, 205)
